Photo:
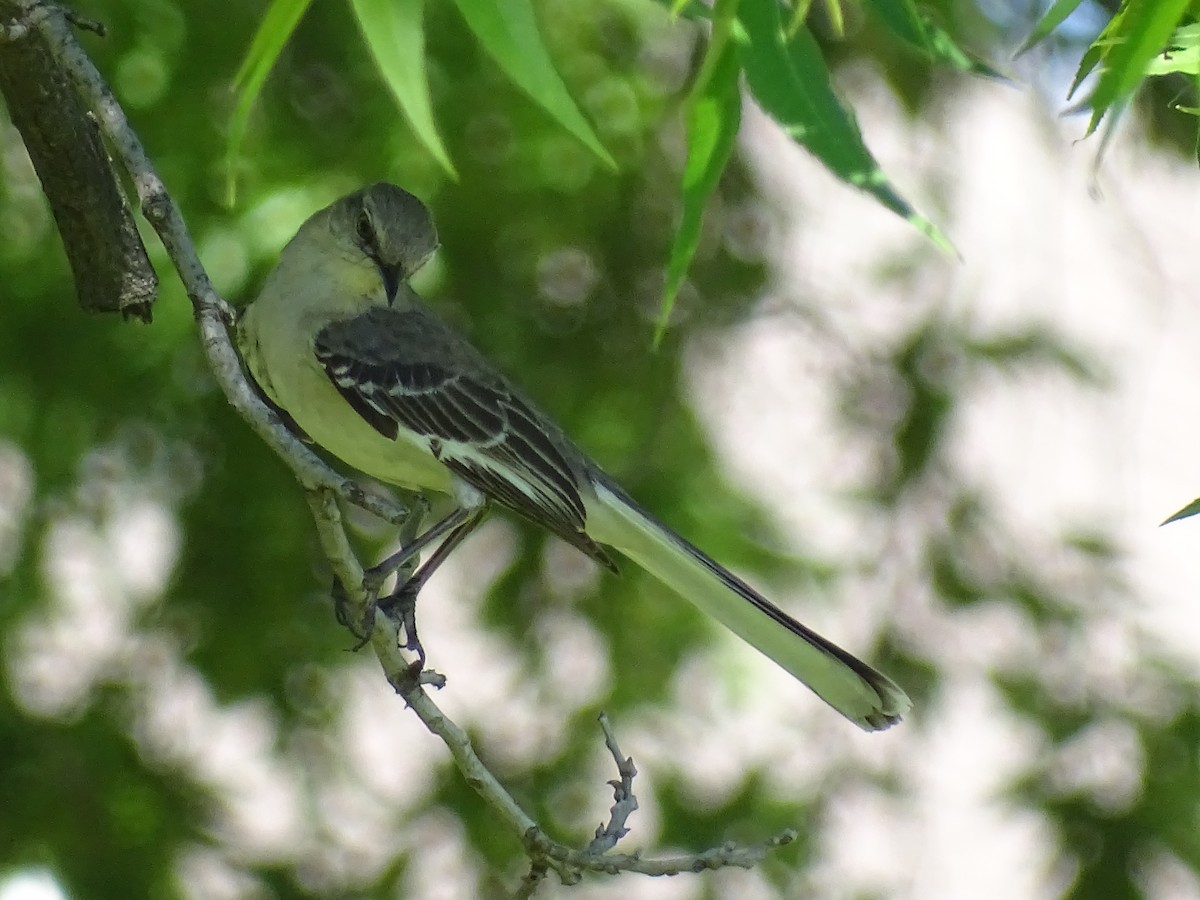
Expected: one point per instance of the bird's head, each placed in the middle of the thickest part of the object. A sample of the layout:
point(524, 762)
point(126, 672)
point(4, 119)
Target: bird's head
point(388, 225)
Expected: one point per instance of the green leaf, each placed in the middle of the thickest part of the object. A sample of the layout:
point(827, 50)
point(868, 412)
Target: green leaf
point(277, 26)
point(1140, 33)
point(508, 31)
point(799, 16)
point(907, 23)
point(1054, 16)
point(790, 81)
point(712, 126)
point(837, 22)
point(1112, 120)
point(1182, 53)
point(1186, 513)
point(1087, 62)
point(833, 13)
point(394, 32)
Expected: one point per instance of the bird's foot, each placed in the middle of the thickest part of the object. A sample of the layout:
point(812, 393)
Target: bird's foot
point(401, 608)
point(362, 628)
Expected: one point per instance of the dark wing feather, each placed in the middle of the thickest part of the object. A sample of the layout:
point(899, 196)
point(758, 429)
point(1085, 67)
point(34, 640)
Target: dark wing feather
point(406, 368)
point(348, 378)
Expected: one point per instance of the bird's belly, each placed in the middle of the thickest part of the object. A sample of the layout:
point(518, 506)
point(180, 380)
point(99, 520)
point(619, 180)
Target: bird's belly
point(311, 399)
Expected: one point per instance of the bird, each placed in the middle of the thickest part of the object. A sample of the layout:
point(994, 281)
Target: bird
point(339, 341)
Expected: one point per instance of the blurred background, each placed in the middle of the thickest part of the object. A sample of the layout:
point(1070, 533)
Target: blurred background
point(952, 466)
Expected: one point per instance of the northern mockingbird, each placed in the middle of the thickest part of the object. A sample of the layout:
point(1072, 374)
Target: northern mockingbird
point(340, 342)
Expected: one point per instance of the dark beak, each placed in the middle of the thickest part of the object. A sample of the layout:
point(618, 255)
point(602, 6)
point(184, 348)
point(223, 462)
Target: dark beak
point(391, 281)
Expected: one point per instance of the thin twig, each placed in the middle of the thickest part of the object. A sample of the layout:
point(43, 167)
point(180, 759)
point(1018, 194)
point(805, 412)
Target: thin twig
point(624, 801)
point(530, 881)
point(727, 854)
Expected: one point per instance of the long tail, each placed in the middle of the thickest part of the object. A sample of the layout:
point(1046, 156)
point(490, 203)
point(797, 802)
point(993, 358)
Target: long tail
point(865, 697)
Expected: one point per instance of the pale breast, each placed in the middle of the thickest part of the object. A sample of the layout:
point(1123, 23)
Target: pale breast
point(280, 357)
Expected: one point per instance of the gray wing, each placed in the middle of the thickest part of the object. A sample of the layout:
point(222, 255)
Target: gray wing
point(404, 368)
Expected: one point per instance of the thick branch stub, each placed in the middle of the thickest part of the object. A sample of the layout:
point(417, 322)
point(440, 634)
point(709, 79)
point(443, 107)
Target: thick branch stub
point(108, 260)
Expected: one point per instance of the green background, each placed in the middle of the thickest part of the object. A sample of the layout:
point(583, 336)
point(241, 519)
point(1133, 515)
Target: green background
point(108, 419)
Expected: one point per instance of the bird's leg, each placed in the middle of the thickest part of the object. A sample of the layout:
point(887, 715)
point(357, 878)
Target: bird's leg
point(401, 605)
point(418, 508)
point(375, 576)
point(410, 529)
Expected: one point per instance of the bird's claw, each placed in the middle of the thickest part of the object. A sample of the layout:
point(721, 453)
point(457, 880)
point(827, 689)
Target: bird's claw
point(401, 608)
point(363, 628)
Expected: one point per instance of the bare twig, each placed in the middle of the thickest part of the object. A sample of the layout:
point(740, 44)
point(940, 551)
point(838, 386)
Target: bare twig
point(728, 854)
point(624, 801)
point(530, 881)
point(323, 486)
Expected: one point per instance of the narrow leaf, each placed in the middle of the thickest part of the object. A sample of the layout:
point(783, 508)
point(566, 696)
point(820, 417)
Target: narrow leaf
point(712, 125)
point(1111, 121)
point(837, 22)
point(1087, 62)
point(799, 16)
point(394, 32)
point(833, 12)
point(904, 20)
point(1144, 30)
point(791, 82)
point(508, 31)
point(1196, 112)
point(1182, 53)
point(1186, 513)
point(1099, 48)
point(280, 21)
point(1053, 17)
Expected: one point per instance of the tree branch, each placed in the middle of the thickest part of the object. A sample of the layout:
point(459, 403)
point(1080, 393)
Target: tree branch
point(624, 802)
point(212, 312)
point(108, 260)
point(323, 486)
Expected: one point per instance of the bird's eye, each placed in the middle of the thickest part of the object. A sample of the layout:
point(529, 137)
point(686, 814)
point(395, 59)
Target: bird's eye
point(366, 233)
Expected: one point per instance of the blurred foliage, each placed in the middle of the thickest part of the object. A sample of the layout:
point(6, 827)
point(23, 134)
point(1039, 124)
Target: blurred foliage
point(784, 69)
point(785, 73)
point(115, 444)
